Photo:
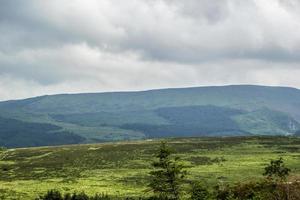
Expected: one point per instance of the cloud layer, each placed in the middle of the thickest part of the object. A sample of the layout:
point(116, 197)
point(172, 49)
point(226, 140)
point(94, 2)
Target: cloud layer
point(61, 46)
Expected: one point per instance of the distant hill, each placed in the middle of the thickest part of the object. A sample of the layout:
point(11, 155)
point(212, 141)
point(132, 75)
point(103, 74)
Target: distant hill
point(199, 111)
point(15, 133)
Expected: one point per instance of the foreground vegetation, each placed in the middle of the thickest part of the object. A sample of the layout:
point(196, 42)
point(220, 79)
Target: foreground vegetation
point(121, 169)
point(167, 183)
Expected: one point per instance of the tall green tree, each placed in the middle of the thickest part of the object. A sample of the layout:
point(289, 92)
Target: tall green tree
point(168, 175)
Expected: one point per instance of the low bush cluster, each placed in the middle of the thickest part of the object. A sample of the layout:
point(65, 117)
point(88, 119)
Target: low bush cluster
point(264, 190)
point(57, 195)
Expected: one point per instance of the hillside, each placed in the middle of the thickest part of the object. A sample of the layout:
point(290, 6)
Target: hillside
point(200, 111)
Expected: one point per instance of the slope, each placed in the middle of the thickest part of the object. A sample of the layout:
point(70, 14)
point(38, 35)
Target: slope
point(217, 110)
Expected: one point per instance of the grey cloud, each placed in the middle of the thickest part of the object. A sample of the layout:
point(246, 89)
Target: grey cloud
point(71, 45)
point(166, 30)
point(205, 10)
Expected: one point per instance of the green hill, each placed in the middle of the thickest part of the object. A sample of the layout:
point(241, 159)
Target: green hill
point(224, 110)
point(15, 133)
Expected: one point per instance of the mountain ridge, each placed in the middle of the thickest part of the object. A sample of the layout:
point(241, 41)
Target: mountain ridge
point(109, 116)
point(153, 90)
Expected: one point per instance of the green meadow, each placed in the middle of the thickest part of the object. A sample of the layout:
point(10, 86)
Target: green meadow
point(121, 169)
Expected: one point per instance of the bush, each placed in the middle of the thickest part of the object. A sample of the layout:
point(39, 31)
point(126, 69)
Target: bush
point(56, 195)
point(199, 192)
point(100, 197)
point(264, 190)
point(277, 170)
point(51, 195)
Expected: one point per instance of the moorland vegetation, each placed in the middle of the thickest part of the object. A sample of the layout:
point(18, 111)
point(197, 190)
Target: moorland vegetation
point(168, 181)
point(211, 165)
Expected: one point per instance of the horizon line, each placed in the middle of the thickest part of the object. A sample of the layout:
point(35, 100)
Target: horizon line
point(149, 90)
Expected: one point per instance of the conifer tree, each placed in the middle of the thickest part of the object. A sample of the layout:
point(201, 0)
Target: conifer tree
point(168, 175)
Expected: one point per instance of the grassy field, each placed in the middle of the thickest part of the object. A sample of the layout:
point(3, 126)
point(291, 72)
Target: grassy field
point(121, 169)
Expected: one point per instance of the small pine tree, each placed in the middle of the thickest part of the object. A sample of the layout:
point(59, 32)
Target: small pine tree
point(277, 170)
point(167, 178)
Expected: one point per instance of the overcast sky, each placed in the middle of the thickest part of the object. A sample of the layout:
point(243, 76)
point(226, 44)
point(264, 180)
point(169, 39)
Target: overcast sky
point(71, 46)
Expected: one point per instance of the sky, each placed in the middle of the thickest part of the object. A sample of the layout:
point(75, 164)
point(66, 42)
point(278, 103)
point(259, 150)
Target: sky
point(75, 46)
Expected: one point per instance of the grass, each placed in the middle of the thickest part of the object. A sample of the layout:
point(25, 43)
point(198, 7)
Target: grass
point(121, 169)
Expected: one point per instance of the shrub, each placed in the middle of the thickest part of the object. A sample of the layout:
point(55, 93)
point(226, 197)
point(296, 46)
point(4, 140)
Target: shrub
point(264, 190)
point(277, 170)
point(51, 195)
point(100, 197)
point(56, 195)
point(199, 192)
